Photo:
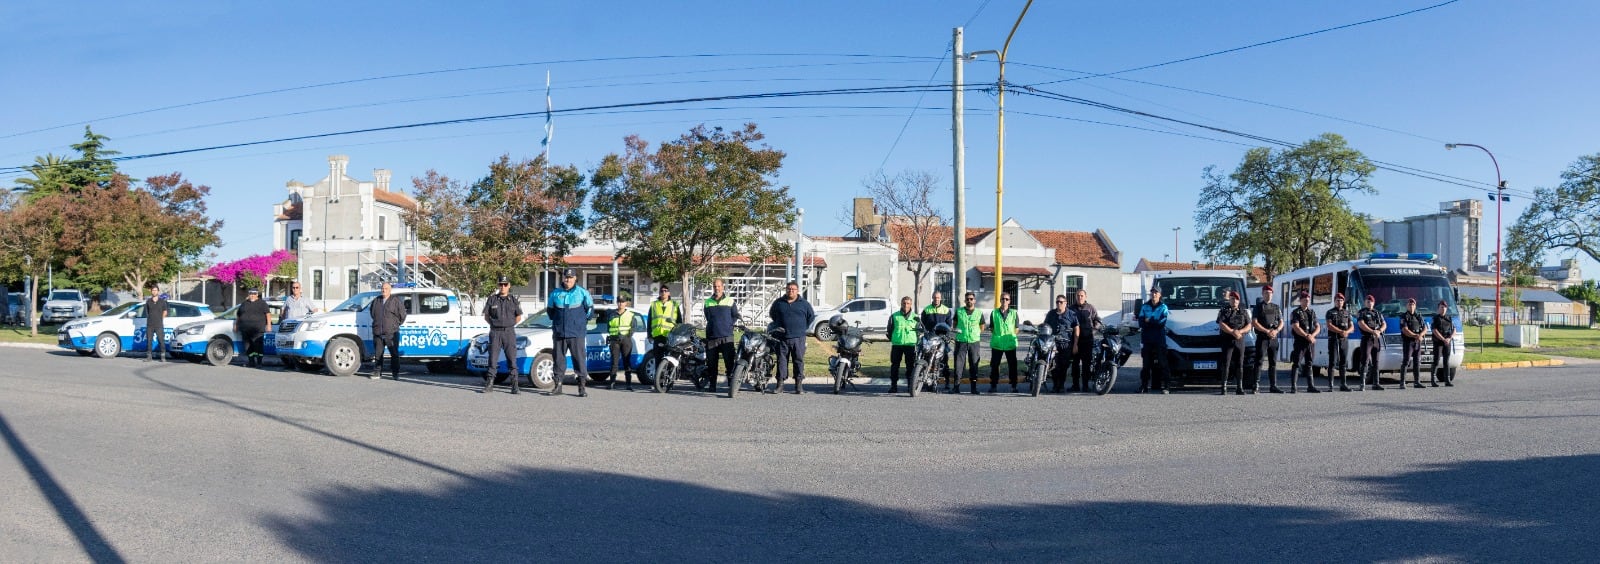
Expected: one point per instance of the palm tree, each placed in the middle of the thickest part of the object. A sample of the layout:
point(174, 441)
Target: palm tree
point(47, 174)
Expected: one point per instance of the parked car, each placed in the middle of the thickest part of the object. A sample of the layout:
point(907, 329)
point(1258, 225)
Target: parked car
point(64, 305)
point(870, 314)
point(17, 313)
point(214, 341)
point(341, 338)
point(123, 328)
point(535, 356)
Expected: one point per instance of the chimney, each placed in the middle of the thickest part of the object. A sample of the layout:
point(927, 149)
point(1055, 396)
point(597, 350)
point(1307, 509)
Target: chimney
point(336, 167)
point(380, 176)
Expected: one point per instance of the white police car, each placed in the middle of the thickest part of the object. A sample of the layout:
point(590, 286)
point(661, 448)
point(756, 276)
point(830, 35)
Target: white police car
point(214, 341)
point(535, 349)
point(341, 338)
point(123, 328)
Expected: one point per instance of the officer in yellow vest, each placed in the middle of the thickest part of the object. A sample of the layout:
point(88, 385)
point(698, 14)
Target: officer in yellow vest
point(902, 332)
point(1002, 342)
point(620, 335)
point(664, 315)
point(968, 327)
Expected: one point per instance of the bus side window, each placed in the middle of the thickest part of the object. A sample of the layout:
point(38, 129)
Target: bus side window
point(1322, 289)
point(1341, 284)
point(1286, 296)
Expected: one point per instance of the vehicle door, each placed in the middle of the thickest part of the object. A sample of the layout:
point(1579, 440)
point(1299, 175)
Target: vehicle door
point(597, 351)
point(134, 339)
point(432, 327)
point(269, 342)
point(871, 314)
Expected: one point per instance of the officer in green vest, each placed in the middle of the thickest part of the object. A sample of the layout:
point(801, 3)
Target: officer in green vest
point(620, 335)
point(1002, 342)
point(902, 332)
point(664, 315)
point(968, 327)
point(933, 315)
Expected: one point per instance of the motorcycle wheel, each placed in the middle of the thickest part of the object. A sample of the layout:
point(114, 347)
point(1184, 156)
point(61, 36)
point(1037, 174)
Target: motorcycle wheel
point(1104, 379)
point(839, 374)
point(1040, 373)
point(665, 374)
point(737, 377)
point(916, 379)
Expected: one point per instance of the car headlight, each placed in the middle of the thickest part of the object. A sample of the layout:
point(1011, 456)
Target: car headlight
point(311, 326)
point(196, 330)
point(523, 342)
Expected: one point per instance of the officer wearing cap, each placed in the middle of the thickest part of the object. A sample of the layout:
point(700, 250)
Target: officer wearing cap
point(1340, 324)
point(569, 308)
point(1153, 343)
point(664, 315)
point(619, 332)
point(1304, 323)
point(1233, 323)
point(503, 312)
point(251, 321)
point(722, 315)
point(1267, 319)
point(1372, 325)
point(1411, 329)
point(1444, 330)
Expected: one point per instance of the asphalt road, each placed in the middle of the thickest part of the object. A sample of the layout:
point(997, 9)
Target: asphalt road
point(112, 460)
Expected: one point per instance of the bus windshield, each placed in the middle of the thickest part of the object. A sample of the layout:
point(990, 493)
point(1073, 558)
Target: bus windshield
point(1197, 292)
point(1391, 290)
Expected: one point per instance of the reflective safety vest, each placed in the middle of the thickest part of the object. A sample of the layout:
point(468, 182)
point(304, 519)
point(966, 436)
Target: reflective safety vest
point(622, 323)
point(1003, 330)
point(968, 325)
point(903, 328)
point(663, 317)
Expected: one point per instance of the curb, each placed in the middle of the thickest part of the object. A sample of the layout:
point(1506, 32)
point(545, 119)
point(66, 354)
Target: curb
point(1519, 364)
point(35, 346)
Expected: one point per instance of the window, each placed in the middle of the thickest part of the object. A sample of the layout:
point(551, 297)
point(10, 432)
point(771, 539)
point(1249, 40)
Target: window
point(944, 283)
point(434, 303)
point(180, 310)
point(1342, 284)
point(383, 227)
point(294, 239)
point(599, 284)
point(873, 305)
point(1074, 283)
point(355, 282)
point(1322, 289)
point(850, 287)
point(316, 283)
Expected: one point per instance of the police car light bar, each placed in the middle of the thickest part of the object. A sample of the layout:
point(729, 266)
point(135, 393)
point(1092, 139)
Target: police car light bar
point(1374, 256)
point(1430, 257)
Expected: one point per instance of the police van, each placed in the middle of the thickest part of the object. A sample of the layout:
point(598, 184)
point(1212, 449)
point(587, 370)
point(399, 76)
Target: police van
point(1390, 278)
point(1194, 298)
point(437, 332)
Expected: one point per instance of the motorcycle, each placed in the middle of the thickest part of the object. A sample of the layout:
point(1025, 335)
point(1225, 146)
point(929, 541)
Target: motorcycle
point(684, 355)
point(758, 356)
point(1041, 356)
point(845, 364)
point(1109, 356)
point(930, 359)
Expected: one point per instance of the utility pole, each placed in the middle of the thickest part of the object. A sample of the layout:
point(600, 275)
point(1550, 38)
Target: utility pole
point(1175, 244)
point(959, 163)
point(1000, 153)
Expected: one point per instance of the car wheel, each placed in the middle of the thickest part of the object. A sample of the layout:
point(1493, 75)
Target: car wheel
point(219, 352)
point(647, 369)
point(825, 332)
point(343, 357)
point(107, 345)
point(83, 353)
point(543, 373)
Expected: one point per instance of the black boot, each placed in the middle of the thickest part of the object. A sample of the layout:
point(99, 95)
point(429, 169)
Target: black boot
point(516, 383)
point(797, 387)
point(556, 390)
point(583, 387)
point(488, 383)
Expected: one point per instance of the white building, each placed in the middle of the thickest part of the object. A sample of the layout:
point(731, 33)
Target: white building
point(347, 232)
point(1452, 234)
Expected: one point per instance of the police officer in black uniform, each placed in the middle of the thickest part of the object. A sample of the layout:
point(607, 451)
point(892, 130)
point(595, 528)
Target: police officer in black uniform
point(1267, 319)
point(1233, 323)
point(1063, 323)
point(1411, 330)
point(388, 313)
point(155, 332)
point(1340, 324)
point(1372, 326)
point(502, 311)
point(1444, 330)
point(251, 321)
point(1304, 322)
point(1083, 343)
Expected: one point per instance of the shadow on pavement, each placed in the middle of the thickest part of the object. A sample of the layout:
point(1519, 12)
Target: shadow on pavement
point(94, 544)
point(1520, 510)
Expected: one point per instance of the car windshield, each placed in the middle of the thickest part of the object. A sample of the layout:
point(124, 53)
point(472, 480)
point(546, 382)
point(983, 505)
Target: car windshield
point(119, 310)
point(541, 320)
point(1197, 293)
point(65, 295)
point(1391, 290)
point(357, 302)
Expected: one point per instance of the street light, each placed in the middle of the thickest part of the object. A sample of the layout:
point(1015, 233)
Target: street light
point(1000, 157)
point(1499, 197)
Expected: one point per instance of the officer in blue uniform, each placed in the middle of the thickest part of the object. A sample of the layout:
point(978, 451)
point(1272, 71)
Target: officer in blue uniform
point(569, 307)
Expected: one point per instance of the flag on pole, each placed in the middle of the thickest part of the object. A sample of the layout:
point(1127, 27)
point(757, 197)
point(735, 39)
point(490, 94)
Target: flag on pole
point(549, 125)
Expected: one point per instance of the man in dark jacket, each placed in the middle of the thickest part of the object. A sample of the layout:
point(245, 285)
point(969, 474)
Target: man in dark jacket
point(569, 307)
point(502, 311)
point(1233, 323)
point(155, 332)
point(722, 314)
point(1063, 324)
point(1153, 343)
point(252, 321)
point(1267, 319)
point(1088, 319)
point(795, 316)
point(388, 312)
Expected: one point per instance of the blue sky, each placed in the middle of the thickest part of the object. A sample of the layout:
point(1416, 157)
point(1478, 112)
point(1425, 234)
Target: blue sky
point(1515, 77)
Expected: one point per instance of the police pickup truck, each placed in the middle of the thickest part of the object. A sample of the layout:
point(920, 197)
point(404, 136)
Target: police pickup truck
point(437, 332)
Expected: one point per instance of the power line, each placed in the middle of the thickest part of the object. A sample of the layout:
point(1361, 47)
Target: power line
point(949, 47)
point(445, 71)
point(975, 13)
point(1252, 45)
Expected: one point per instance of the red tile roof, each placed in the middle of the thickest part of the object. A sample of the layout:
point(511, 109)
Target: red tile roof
point(1072, 248)
point(1015, 270)
point(394, 198)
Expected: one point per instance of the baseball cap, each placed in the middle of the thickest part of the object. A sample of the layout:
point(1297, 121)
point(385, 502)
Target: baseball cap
point(254, 291)
point(505, 280)
point(569, 273)
point(1155, 289)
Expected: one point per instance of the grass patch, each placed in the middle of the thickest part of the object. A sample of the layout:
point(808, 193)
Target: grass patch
point(47, 335)
point(1569, 338)
point(1506, 354)
point(1553, 341)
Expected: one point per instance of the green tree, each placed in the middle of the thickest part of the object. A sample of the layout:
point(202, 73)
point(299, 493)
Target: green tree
point(709, 194)
point(31, 239)
point(1287, 208)
point(125, 236)
point(1566, 217)
point(477, 233)
point(49, 176)
point(1586, 293)
point(92, 168)
point(1511, 298)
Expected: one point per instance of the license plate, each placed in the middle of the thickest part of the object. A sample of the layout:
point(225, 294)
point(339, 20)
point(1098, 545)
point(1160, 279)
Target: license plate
point(285, 344)
point(1205, 365)
point(1425, 360)
point(480, 362)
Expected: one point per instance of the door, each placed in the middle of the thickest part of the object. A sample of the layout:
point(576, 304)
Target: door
point(432, 327)
point(597, 352)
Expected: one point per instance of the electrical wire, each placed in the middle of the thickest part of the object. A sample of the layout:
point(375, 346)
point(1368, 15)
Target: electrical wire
point(948, 49)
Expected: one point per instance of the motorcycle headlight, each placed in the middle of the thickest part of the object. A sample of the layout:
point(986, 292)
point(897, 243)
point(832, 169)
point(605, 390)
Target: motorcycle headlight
point(312, 326)
point(850, 341)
